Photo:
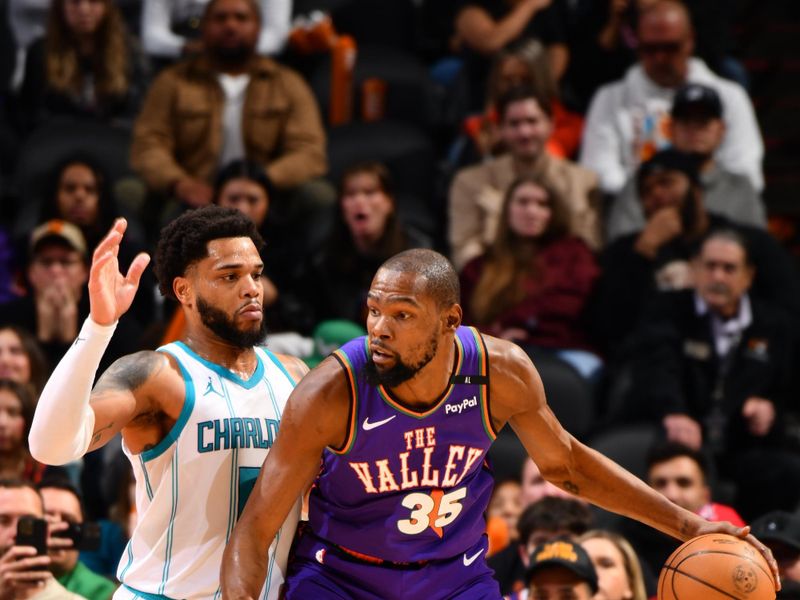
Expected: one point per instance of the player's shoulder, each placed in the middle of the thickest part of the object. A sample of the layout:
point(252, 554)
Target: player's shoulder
point(140, 370)
point(294, 367)
point(512, 374)
point(504, 354)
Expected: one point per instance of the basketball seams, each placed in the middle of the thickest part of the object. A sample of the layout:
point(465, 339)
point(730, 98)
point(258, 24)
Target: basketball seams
point(747, 558)
point(698, 580)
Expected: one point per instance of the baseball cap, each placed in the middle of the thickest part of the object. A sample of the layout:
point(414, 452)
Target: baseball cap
point(694, 99)
point(57, 229)
point(563, 553)
point(329, 335)
point(669, 159)
point(778, 526)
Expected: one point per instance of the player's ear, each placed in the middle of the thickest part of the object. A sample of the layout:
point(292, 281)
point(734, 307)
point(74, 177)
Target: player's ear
point(182, 290)
point(453, 317)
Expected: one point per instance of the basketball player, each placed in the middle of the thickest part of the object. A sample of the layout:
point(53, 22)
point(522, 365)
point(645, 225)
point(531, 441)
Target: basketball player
point(197, 416)
point(402, 420)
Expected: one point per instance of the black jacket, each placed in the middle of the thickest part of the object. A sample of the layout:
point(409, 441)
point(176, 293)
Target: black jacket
point(675, 367)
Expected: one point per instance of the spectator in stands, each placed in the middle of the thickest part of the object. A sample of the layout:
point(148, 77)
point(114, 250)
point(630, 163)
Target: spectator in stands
point(476, 194)
point(86, 66)
point(171, 28)
point(681, 474)
point(715, 367)
point(21, 358)
point(484, 27)
point(56, 304)
point(25, 576)
point(227, 104)
point(534, 281)
point(619, 574)
point(635, 267)
point(502, 514)
point(542, 521)
point(523, 64)
point(561, 569)
point(534, 487)
point(78, 192)
point(63, 504)
point(627, 120)
point(697, 128)
point(367, 231)
point(780, 531)
point(16, 413)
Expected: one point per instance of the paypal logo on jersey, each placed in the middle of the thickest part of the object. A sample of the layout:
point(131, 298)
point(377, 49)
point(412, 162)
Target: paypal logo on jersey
point(235, 432)
point(465, 404)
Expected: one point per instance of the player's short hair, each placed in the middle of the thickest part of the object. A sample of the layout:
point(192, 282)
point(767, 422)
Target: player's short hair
point(441, 279)
point(554, 513)
point(667, 451)
point(184, 241)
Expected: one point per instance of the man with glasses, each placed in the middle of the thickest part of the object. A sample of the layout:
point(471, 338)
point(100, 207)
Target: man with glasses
point(55, 305)
point(628, 120)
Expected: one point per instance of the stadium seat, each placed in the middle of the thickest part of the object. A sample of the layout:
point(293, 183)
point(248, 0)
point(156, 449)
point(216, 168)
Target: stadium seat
point(628, 446)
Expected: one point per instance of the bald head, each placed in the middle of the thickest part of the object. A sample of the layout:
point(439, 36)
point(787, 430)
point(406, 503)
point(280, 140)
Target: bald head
point(666, 42)
point(441, 279)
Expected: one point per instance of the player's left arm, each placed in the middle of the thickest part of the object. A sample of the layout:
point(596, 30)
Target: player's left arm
point(518, 397)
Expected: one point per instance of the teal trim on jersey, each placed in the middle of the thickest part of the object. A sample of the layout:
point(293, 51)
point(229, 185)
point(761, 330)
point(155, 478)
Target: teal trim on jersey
point(129, 551)
point(183, 418)
point(280, 365)
point(171, 526)
point(234, 469)
point(147, 487)
point(271, 565)
point(145, 595)
point(271, 393)
point(223, 372)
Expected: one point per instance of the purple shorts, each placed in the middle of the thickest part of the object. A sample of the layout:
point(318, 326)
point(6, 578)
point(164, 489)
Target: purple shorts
point(318, 570)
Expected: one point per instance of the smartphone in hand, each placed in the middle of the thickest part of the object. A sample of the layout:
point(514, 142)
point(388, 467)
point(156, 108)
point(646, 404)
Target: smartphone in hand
point(32, 531)
point(84, 536)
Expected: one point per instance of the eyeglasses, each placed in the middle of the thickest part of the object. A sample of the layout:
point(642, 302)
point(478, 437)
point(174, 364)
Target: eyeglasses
point(62, 262)
point(661, 47)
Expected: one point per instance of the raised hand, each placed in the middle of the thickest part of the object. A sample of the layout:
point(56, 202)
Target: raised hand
point(110, 292)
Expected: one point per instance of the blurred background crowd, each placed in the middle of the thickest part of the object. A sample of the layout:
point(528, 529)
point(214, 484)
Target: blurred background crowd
point(615, 181)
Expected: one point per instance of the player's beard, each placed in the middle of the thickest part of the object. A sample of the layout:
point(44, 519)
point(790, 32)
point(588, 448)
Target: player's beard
point(224, 326)
point(400, 372)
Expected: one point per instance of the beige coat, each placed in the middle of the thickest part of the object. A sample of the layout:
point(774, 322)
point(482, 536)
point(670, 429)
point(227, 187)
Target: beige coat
point(179, 130)
point(476, 199)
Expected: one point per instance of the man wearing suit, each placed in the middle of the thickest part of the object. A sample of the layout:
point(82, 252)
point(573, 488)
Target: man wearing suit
point(713, 366)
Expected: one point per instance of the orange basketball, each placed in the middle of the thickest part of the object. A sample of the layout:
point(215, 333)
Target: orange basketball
point(716, 566)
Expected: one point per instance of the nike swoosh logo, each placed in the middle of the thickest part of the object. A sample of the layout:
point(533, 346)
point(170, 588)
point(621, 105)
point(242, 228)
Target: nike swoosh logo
point(366, 425)
point(468, 560)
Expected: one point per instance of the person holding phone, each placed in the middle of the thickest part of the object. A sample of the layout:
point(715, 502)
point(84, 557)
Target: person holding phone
point(24, 543)
point(63, 504)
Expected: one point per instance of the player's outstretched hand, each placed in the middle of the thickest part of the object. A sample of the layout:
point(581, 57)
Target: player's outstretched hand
point(744, 533)
point(110, 292)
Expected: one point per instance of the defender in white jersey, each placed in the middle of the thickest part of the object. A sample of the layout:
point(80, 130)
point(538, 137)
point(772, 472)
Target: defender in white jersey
point(197, 416)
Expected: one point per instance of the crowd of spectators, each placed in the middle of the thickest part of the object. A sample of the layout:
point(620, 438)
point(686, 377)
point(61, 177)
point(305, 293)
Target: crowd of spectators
point(597, 183)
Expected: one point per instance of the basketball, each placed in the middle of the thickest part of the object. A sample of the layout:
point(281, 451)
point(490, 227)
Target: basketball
point(716, 566)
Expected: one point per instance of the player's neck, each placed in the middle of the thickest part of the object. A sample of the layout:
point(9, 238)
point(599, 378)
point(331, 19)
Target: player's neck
point(240, 361)
point(430, 383)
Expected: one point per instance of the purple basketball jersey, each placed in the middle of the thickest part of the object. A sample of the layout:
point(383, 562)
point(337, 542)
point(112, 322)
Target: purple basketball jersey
point(409, 485)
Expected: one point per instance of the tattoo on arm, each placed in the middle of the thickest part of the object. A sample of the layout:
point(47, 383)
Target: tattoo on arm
point(130, 372)
point(99, 433)
point(571, 487)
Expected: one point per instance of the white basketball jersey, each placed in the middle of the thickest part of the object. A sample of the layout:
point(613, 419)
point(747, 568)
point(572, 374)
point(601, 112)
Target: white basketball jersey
point(192, 487)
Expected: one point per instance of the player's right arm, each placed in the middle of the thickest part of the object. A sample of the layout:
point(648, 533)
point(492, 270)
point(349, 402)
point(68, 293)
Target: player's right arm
point(316, 417)
point(65, 425)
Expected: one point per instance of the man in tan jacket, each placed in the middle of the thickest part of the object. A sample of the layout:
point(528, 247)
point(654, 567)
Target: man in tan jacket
point(476, 194)
point(225, 104)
